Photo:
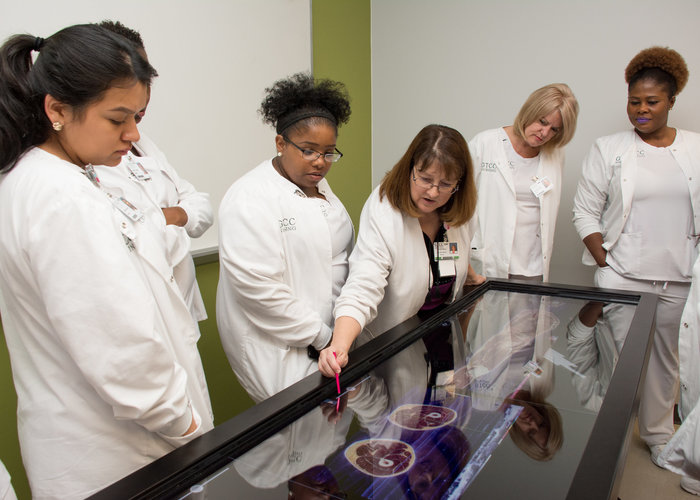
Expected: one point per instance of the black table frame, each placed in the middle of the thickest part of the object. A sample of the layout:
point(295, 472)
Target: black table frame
point(599, 470)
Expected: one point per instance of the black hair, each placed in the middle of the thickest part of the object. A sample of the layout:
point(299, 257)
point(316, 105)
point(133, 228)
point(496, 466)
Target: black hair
point(132, 35)
point(661, 77)
point(308, 99)
point(76, 66)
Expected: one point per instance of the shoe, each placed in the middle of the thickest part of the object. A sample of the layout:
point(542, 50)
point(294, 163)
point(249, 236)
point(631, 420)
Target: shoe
point(690, 485)
point(656, 450)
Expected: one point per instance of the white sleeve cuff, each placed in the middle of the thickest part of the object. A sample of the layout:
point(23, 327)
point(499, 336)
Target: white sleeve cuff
point(179, 426)
point(323, 338)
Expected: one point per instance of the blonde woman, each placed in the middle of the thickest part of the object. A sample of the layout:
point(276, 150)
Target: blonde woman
point(518, 172)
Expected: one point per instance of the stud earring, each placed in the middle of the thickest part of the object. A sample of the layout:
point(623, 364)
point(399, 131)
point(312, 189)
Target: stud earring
point(279, 153)
point(57, 126)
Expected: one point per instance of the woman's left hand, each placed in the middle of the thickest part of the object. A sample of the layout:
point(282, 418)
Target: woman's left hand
point(175, 216)
point(473, 278)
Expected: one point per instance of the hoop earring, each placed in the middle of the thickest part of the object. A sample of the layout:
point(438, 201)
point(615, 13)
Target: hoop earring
point(57, 126)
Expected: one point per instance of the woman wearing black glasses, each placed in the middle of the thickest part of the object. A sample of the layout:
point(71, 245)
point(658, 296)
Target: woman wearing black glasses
point(284, 242)
point(412, 250)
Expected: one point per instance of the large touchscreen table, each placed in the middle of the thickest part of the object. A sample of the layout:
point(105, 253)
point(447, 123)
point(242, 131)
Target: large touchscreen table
point(515, 391)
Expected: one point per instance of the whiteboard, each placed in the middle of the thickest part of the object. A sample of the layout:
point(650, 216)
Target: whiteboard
point(214, 60)
point(471, 65)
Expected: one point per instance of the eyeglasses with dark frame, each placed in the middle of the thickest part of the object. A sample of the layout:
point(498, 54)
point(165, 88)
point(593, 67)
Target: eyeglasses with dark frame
point(311, 155)
point(442, 187)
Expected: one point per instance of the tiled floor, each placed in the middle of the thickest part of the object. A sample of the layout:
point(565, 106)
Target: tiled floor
point(642, 480)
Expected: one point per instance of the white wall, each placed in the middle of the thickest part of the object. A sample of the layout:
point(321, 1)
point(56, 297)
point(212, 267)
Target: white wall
point(214, 58)
point(471, 64)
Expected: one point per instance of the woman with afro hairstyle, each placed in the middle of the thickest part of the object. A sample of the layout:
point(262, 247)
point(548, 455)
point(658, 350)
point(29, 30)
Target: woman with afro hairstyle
point(518, 177)
point(284, 242)
point(637, 209)
point(412, 253)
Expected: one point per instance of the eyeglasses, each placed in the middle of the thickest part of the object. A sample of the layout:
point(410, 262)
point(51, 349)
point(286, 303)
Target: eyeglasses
point(311, 155)
point(425, 183)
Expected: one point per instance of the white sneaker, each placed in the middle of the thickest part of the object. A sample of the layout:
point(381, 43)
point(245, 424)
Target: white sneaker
point(690, 485)
point(656, 450)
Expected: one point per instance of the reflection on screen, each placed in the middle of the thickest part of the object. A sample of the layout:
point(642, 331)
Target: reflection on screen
point(426, 422)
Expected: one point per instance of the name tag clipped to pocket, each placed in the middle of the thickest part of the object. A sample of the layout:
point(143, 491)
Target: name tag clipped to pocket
point(446, 252)
point(541, 186)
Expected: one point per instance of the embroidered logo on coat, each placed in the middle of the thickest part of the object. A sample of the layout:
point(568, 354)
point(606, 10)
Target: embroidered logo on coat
point(288, 224)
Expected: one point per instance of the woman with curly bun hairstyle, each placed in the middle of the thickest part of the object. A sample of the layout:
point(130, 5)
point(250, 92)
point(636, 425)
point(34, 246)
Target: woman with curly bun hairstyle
point(519, 176)
point(637, 209)
point(284, 241)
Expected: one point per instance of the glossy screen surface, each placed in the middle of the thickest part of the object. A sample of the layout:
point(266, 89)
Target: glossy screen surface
point(496, 402)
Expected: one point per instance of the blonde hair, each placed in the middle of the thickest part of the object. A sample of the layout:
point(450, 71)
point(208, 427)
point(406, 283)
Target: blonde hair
point(553, 97)
point(447, 147)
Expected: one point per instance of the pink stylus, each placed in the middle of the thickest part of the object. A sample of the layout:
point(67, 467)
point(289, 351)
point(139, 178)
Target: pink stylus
point(337, 384)
point(337, 378)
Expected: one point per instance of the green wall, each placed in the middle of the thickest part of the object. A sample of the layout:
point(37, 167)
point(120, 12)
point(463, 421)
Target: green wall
point(341, 51)
point(9, 445)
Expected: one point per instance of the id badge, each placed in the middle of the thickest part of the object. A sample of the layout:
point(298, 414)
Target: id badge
point(137, 169)
point(447, 268)
point(446, 250)
point(541, 186)
point(532, 368)
point(128, 209)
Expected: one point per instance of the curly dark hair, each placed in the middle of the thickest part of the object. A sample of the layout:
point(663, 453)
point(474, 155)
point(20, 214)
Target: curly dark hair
point(116, 27)
point(661, 64)
point(301, 95)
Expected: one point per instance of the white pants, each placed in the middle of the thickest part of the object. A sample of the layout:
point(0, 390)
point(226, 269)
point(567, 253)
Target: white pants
point(661, 385)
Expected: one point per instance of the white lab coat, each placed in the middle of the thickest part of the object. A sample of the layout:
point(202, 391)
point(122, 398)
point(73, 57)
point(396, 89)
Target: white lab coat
point(496, 211)
point(682, 453)
point(6, 490)
point(390, 271)
point(606, 189)
point(275, 294)
point(504, 333)
point(304, 444)
point(594, 353)
point(102, 346)
point(167, 189)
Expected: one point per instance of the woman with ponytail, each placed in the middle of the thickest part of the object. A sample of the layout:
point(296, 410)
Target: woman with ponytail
point(102, 346)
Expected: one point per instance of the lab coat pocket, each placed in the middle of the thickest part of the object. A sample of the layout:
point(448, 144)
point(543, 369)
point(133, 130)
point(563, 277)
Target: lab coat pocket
point(265, 341)
point(629, 253)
